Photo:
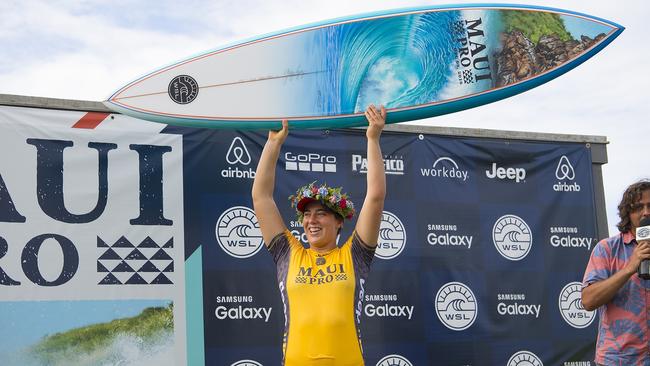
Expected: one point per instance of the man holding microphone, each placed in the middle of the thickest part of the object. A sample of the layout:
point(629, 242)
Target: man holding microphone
point(616, 282)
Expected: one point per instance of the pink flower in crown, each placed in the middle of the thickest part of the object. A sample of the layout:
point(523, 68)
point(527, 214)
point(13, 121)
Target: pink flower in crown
point(343, 203)
point(314, 190)
point(333, 199)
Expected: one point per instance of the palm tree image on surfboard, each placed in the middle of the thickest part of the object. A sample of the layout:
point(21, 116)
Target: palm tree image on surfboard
point(419, 63)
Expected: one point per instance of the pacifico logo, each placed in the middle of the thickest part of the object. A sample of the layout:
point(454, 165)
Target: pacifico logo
point(392, 164)
point(238, 232)
point(512, 237)
point(456, 306)
point(310, 162)
point(246, 363)
point(445, 168)
point(394, 360)
point(524, 358)
point(392, 237)
point(565, 171)
point(238, 155)
point(571, 308)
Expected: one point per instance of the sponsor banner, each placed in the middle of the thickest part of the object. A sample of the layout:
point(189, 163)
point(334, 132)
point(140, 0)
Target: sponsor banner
point(100, 220)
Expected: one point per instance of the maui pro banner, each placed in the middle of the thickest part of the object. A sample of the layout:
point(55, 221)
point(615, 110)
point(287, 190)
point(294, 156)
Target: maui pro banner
point(91, 242)
point(132, 243)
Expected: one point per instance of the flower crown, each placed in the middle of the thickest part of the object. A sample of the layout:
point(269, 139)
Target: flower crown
point(330, 197)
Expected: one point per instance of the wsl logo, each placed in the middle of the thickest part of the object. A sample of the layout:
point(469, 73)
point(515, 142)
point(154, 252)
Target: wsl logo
point(246, 363)
point(512, 237)
point(524, 358)
point(571, 308)
point(392, 237)
point(238, 232)
point(445, 168)
point(563, 172)
point(456, 306)
point(394, 360)
point(238, 155)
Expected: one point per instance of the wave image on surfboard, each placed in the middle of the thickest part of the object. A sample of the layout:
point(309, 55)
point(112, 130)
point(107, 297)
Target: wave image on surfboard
point(418, 63)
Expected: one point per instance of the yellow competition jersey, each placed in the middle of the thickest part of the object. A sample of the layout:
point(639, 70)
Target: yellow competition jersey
point(322, 297)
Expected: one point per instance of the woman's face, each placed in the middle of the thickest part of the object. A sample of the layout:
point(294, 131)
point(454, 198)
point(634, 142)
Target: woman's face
point(321, 225)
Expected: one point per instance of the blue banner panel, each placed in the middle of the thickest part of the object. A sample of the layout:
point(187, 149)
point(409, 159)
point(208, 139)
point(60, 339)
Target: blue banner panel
point(482, 248)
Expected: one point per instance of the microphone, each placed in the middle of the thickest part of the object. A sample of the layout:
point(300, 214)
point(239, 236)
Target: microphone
point(643, 233)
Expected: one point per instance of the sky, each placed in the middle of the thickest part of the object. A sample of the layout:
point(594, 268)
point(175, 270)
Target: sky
point(85, 50)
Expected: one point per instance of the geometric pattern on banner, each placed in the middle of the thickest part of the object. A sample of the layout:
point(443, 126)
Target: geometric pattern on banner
point(124, 263)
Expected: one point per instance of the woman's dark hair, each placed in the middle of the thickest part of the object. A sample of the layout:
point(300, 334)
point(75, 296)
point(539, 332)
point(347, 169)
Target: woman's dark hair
point(631, 195)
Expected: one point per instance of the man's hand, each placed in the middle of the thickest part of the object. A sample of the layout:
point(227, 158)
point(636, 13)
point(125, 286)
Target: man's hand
point(641, 252)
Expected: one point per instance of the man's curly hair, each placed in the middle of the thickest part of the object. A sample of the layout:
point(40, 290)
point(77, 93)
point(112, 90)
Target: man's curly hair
point(631, 195)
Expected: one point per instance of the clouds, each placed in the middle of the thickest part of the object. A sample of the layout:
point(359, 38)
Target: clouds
point(87, 49)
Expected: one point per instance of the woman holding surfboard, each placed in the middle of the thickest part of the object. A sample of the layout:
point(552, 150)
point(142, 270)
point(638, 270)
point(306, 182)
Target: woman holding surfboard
point(322, 286)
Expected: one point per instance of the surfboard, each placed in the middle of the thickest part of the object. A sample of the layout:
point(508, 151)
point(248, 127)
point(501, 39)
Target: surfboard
point(418, 62)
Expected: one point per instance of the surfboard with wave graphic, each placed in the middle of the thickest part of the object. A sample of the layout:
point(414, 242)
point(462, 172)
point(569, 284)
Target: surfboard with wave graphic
point(419, 63)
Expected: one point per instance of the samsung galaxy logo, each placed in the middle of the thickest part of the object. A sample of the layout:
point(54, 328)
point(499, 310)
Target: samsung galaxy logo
point(392, 165)
point(386, 309)
point(516, 174)
point(438, 238)
point(518, 309)
point(310, 162)
point(445, 168)
point(243, 313)
point(391, 311)
point(569, 241)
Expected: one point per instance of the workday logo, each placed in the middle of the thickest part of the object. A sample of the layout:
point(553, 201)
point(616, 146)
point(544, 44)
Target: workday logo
point(392, 236)
point(524, 358)
point(394, 360)
point(238, 232)
point(571, 308)
point(238, 155)
point(456, 306)
point(563, 172)
point(445, 168)
point(310, 162)
point(512, 237)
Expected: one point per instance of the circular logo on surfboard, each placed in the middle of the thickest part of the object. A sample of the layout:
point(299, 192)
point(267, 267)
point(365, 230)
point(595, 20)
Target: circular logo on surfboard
point(183, 89)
